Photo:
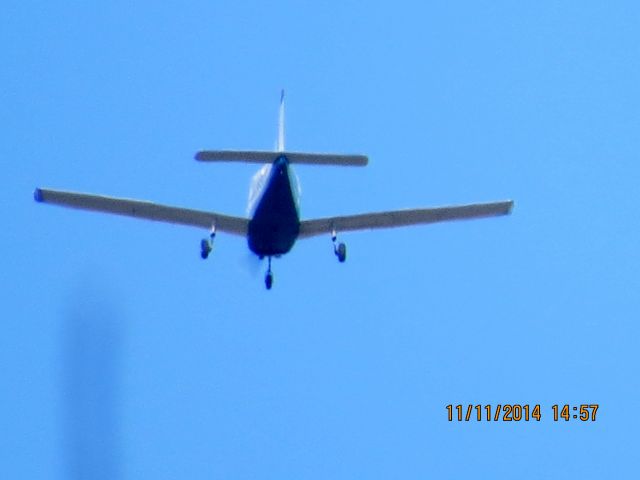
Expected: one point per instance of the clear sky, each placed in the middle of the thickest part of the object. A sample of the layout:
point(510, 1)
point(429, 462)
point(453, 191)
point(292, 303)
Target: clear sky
point(125, 355)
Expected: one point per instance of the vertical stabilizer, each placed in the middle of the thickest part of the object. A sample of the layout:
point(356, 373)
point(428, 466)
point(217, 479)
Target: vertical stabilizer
point(281, 124)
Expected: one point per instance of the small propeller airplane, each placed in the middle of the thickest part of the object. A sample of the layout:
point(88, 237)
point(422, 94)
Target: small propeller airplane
point(273, 224)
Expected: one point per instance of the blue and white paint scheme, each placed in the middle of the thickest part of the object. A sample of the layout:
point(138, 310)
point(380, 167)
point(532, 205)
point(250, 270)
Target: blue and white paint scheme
point(274, 203)
point(273, 222)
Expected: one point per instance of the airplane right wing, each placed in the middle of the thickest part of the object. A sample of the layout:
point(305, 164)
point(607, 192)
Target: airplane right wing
point(399, 218)
point(145, 210)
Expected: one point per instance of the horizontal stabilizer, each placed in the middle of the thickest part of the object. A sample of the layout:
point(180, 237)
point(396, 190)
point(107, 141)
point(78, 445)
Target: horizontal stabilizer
point(142, 209)
point(250, 156)
point(400, 218)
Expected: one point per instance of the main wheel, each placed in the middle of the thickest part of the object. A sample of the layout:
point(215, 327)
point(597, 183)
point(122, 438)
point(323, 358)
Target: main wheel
point(268, 280)
point(341, 252)
point(205, 248)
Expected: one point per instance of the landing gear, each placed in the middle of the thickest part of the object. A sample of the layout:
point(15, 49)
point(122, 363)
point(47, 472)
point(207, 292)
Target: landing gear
point(268, 279)
point(206, 244)
point(339, 249)
point(205, 248)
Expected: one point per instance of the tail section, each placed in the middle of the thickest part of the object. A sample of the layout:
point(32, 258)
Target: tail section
point(259, 156)
point(256, 156)
point(281, 124)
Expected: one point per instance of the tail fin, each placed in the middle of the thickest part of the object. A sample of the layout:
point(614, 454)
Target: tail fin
point(281, 124)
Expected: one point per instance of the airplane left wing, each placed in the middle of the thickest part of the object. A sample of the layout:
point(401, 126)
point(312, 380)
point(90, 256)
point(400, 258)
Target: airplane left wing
point(145, 210)
point(399, 218)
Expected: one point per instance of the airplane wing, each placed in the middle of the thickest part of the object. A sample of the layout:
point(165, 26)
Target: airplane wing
point(145, 210)
point(251, 156)
point(399, 218)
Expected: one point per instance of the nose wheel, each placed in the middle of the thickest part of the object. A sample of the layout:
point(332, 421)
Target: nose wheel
point(268, 279)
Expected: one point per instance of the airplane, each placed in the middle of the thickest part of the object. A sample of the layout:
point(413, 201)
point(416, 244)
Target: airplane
point(273, 223)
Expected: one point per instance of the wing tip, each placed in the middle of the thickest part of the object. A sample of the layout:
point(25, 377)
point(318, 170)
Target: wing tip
point(510, 205)
point(37, 195)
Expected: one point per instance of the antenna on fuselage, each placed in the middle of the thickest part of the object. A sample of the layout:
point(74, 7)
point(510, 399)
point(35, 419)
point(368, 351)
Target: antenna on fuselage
point(281, 123)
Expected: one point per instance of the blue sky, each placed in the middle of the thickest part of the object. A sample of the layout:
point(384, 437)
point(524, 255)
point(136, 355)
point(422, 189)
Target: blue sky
point(124, 354)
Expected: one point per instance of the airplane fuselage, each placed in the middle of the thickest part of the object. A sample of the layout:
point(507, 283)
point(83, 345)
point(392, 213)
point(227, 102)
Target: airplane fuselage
point(275, 223)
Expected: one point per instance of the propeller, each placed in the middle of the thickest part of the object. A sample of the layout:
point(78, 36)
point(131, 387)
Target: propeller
point(251, 263)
